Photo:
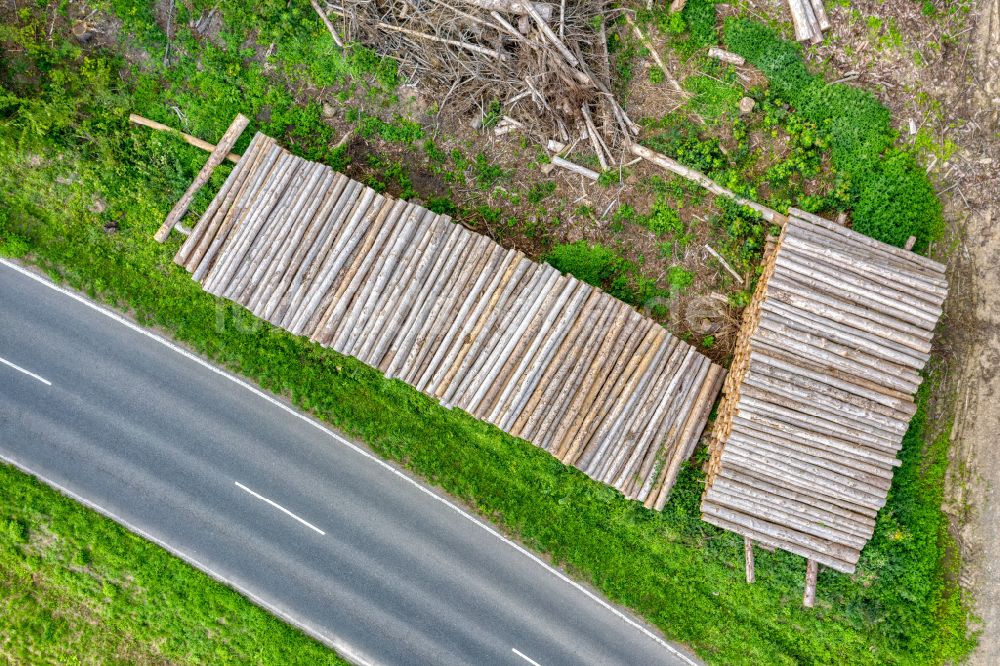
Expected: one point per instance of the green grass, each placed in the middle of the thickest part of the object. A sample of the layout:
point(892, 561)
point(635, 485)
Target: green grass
point(64, 140)
point(77, 588)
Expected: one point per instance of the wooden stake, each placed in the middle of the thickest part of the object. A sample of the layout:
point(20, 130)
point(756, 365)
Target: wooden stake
point(812, 569)
point(193, 140)
point(748, 555)
point(215, 159)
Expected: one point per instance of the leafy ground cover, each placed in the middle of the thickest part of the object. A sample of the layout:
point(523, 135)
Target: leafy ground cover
point(81, 194)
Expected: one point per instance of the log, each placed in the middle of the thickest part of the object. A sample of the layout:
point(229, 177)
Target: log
point(847, 313)
point(244, 234)
point(821, 16)
point(696, 411)
point(809, 596)
point(800, 378)
point(595, 140)
point(618, 404)
point(748, 558)
point(575, 168)
point(857, 238)
point(770, 539)
point(765, 511)
point(858, 525)
point(507, 314)
point(301, 248)
point(725, 264)
point(800, 21)
point(558, 438)
point(220, 152)
point(356, 325)
point(477, 266)
point(465, 311)
point(192, 140)
point(516, 7)
point(676, 167)
point(563, 369)
point(477, 311)
point(662, 396)
point(498, 404)
point(806, 501)
point(879, 346)
point(833, 550)
point(726, 56)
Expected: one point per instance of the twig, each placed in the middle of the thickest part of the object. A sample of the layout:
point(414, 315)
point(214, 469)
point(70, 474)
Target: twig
point(329, 25)
point(725, 264)
point(652, 51)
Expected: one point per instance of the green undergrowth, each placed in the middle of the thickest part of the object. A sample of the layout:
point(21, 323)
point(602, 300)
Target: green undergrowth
point(81, 194)
point(76, 588)
point(890, 195)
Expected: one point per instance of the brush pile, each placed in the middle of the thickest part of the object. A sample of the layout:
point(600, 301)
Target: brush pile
point(537, 67)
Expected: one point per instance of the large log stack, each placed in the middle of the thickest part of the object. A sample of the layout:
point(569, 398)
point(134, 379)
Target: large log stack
point(820, 392)
point(539, 354)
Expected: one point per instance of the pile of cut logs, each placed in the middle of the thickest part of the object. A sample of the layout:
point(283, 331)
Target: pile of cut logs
point(541, 355)
point(821, 390)
point(809, 19)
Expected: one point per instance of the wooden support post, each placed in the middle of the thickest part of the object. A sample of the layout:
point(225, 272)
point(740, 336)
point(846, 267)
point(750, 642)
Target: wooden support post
point(812, 569)
point(193, 140)
point(748, 554)
point(215, 159)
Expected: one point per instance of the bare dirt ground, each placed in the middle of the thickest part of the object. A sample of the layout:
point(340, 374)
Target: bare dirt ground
point(975, 469)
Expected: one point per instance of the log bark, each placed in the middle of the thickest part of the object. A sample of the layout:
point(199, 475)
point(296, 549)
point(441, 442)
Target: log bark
point(575, 168)
point(726, 56)
point(222, 150)
point(809, 596)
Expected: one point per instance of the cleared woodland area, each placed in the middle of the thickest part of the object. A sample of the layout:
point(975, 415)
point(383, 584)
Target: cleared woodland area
point(84, 193)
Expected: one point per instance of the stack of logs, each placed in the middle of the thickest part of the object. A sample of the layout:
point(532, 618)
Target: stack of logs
point(541, 355)
point(820, 392)
point(809, 19)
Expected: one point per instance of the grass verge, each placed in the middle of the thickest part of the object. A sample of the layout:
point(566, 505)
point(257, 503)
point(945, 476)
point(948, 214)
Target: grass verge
point(77, 588)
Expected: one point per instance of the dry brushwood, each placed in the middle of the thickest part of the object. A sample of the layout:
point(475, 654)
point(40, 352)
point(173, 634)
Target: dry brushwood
point(543, 63)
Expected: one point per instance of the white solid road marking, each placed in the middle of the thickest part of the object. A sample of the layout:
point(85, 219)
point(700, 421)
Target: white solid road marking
point(280, 508)
point(27, 372)
point(357, 449)
point(525, 657)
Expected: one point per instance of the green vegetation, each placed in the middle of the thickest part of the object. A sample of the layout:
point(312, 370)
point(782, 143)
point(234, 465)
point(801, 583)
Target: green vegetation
point(891, 196)
point(77, 588)
point(65, 142)
point(603, 267)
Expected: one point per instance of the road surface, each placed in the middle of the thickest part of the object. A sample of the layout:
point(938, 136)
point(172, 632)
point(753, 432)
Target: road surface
point(305, 523)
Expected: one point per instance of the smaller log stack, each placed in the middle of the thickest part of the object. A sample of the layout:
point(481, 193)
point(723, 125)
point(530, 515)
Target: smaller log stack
point(809, 19)
point(541, 355)
point(820, 392)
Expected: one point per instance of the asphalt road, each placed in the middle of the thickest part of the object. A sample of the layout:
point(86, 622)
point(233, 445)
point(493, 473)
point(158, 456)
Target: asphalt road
point(300, 520)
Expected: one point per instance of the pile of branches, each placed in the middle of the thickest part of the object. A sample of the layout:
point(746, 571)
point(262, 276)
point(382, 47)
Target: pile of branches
point(537, 67)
